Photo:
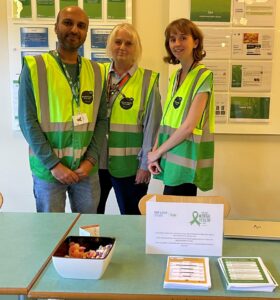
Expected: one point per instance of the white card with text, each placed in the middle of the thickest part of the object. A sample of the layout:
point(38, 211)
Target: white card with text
point(184, 228)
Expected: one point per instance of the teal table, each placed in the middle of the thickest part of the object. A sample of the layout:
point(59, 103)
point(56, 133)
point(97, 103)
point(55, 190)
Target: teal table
point(134, 275)
point(27, 242)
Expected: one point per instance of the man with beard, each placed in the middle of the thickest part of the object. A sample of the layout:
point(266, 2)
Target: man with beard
point(62, 115)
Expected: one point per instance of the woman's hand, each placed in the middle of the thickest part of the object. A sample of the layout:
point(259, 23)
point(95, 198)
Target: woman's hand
point(153, 156)
point(154, 168)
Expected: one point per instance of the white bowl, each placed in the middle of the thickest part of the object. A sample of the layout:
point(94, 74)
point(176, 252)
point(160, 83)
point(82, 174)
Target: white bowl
point(82, 268)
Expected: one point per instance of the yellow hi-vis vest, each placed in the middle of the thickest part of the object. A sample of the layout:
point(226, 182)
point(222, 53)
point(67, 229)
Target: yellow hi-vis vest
point(126, 123)
point(192, 160)
point(56, 107)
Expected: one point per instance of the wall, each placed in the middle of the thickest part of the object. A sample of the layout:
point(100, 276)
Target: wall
point(246, 166)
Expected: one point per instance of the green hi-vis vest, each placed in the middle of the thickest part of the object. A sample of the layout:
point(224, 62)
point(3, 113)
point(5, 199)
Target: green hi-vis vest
point(56, 106)
point(126, 123)
point(192, 160)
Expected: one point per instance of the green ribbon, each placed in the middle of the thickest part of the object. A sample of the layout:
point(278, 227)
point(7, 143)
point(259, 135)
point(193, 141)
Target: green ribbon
point(195, 215)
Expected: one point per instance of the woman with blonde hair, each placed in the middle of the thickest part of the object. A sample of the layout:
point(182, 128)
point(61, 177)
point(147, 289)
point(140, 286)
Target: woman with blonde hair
point(134, 112)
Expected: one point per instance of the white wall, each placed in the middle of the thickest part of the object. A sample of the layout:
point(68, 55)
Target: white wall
point(246, 166)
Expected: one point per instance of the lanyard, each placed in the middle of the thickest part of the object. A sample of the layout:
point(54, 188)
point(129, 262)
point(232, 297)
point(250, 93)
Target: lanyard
point(115, 88)
point(75, 86)
point(176, 84)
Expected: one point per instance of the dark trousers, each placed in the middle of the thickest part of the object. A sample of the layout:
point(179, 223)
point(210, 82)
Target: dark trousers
point(128, 194)
point(185, 189)
point(105, 187)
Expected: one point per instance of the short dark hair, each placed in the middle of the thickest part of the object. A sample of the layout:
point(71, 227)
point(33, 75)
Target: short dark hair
point(187, 27)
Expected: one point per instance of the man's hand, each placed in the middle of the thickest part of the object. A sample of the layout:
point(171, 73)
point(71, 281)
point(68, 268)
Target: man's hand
point(142, 176)
point(84, 169)
point(64, 174)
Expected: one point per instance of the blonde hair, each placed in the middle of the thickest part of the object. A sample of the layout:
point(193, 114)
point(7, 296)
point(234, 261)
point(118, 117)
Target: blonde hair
point(135, 40)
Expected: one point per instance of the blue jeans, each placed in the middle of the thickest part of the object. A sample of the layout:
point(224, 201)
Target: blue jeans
point(51, 196)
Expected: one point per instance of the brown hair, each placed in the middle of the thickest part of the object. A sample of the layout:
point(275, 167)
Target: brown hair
point(187, 27)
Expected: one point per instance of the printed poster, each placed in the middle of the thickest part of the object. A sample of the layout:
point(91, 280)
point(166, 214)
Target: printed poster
point(15, 88)
point(45, 9)
point(252, 43)
point(21, 9)
point(184, 228)
point(254, 13)
point(93, 8)
point(34, 37)
point(249, 109)
point(100, 57)
point(99, 37)
point(116, 9)
point(217, 43)
point(251, 76)
point(64, 3)
point(214, 11)
point(221, 102)
point(221, 75)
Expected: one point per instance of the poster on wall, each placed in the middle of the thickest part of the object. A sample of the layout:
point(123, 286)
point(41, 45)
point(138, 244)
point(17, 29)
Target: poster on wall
point(217, 42)
point(93, 8)
point(214, 12)
point(220, 69)
point(221, 101)
point(34, 37)
point(252, 43)
point(15, 87)
point(64, 3)
point(254, 13)
point(247, 108)
point(45, 8)
point(251, 76)
point(116, 9)
point(99, 37)
point(21, 9)
point(100, 57)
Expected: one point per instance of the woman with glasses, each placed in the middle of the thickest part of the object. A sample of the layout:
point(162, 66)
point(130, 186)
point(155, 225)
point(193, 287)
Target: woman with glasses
point(134, 112)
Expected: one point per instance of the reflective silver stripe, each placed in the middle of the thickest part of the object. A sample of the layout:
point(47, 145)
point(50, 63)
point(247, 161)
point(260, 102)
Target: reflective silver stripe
point(145, 87)
point(68, 126)
point(69, 151)
point(189, 102)
point(78, 153)
point(124, 151)
point(126, 128)
point(63, 152)
point(189, 163)
point(43, 92)
point(97, 89)
point(206, 137)
point(46, 125)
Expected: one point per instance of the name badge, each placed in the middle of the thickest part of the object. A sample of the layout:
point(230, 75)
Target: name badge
point(80, 119)
point(126, 103)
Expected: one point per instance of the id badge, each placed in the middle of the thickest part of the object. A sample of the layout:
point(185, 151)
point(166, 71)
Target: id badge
point(80, 119)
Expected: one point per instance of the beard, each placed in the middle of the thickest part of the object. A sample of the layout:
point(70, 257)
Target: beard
point(70, 42)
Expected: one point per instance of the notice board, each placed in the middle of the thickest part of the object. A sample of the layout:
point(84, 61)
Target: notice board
point(31, 31)
point(241, 39)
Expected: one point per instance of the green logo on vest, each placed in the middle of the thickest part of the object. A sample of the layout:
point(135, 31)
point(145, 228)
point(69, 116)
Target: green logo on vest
point(87, 97)
point(126, 103)
point(177, 102)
